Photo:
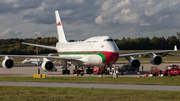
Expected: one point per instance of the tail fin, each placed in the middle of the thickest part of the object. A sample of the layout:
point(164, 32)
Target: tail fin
point(60, 31)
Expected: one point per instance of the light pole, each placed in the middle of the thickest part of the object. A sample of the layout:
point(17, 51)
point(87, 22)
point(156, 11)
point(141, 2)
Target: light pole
point(36, 43)
point(178, 34)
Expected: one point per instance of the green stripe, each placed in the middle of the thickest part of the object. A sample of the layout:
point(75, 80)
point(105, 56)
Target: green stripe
point(100, 54)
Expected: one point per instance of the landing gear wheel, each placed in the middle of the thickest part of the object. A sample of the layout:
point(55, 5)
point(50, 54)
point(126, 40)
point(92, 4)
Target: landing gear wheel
point(91, 71)
point(108, 72)
point(63, 72)
point(87, 71)
point(105, 71)
point(68, 71)
point(74, 72)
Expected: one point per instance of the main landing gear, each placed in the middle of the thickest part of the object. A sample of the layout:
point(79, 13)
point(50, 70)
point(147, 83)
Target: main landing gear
point(89, 71)
point(65, 71)
point(78, 70)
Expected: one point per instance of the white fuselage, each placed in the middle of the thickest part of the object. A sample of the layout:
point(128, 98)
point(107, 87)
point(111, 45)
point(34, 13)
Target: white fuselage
point(95, 51)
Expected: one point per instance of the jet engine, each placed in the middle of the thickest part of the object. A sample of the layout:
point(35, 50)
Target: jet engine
point(156, 60)
point(8, 63)
point(134, 63)
point(48, 65)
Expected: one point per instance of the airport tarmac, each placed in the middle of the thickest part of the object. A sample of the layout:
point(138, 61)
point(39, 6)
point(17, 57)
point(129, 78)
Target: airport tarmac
point(29, 71)
point(85, 85)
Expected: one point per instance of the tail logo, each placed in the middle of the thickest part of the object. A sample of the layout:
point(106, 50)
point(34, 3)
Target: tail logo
point(59, 24)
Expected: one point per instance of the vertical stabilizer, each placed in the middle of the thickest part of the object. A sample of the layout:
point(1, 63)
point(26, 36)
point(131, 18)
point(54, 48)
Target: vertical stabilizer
point(60, 31)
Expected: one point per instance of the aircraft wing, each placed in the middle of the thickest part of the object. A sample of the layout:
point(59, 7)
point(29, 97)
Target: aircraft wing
point(149, 53)
point(48, 57)
point(43, 46)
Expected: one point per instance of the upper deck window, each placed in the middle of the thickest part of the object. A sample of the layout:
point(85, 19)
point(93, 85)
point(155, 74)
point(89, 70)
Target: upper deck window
point(108, 40)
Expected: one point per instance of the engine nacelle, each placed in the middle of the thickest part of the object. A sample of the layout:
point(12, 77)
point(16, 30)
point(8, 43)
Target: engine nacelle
point(156, 60)
point(134, 63)
point(8, 63)
point(47, 65)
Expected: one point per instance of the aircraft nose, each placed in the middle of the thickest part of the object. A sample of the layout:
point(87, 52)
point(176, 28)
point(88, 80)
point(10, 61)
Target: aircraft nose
point(111, 57)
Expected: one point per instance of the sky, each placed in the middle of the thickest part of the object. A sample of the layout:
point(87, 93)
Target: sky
point(82, 19)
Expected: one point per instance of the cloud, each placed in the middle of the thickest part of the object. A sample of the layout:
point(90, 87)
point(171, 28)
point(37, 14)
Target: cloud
point(10, 33)
point(37, 34)
point(72, 11)
point(153, 15)
point(79, 1)
point(99, 20)
point(15, 6)
point(66, 13)
point(83, 18)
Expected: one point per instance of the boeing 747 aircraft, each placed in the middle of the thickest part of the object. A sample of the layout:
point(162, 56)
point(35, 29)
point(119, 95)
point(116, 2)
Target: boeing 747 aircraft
point(95, 51)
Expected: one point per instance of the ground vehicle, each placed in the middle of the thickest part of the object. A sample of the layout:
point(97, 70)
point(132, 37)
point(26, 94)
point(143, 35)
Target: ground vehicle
point(119, 71)
point(90, 71)
point(54, 69)
point(77, 71)
point(171, 70)
point(128, 68)
point(98, 71)
point(155, 71)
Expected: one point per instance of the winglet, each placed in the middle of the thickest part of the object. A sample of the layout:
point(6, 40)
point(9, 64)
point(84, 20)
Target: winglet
point(60, 31)
point(175, 48)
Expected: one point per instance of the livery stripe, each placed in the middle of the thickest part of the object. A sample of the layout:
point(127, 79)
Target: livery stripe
point(84, 53)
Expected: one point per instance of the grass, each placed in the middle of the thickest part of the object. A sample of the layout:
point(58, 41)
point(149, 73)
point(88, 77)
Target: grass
point(104, 80)
point(12, 93)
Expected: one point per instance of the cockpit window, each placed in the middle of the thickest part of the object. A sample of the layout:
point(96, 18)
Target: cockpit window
point(108, 40)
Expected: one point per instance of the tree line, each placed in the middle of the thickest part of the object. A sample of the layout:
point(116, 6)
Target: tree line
point(14, 46)
point(141, 43)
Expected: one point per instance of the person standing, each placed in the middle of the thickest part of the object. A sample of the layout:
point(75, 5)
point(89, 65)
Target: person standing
point(142, 67)
point(38, 70)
